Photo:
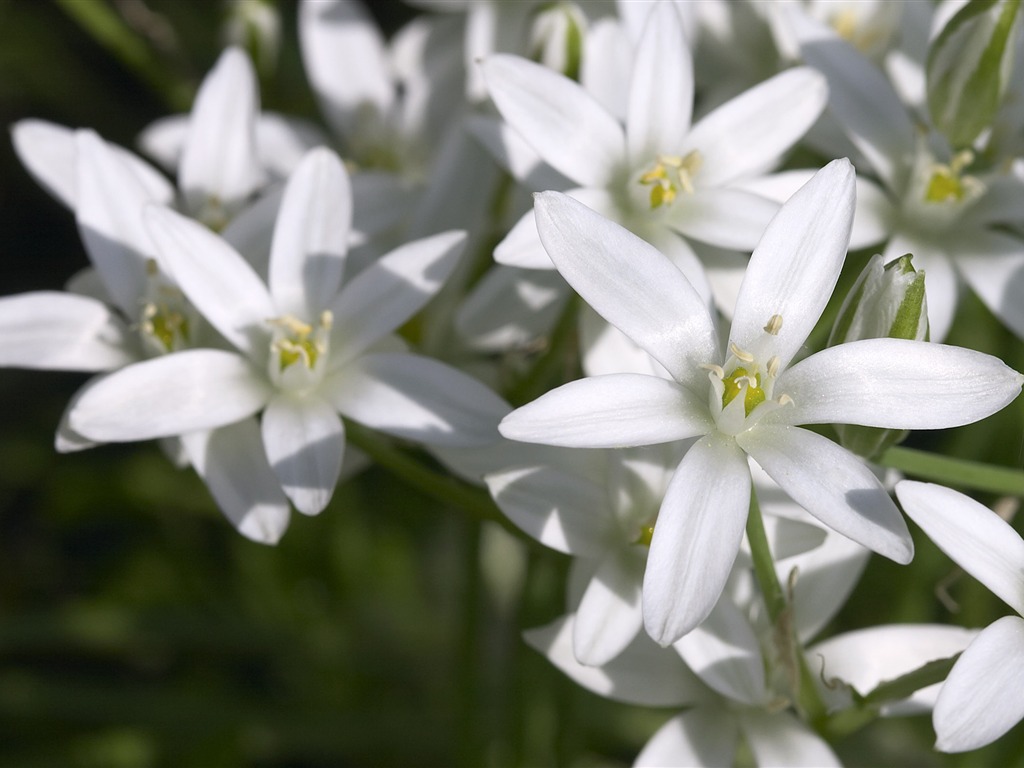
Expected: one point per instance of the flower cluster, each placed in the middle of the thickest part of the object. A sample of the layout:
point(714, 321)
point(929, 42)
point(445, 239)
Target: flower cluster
point(668, 279)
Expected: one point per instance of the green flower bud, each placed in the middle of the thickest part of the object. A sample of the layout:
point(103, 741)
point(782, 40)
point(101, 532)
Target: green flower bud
point(556, 37)
point(886, 302)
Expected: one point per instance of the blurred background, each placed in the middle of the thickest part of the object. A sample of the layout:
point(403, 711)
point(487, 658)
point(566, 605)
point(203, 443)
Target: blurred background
point(138, 628)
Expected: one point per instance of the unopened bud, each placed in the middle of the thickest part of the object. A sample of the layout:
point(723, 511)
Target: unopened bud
point(886, 302)
point(556, 38)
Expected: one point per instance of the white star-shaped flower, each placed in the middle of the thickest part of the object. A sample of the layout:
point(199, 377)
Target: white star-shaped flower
point(748, 399)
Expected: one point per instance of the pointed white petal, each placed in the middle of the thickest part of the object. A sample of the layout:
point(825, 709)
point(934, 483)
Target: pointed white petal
point(67, 440)
point(559, 508)
point(561, 121)
point(47, 151)
point(232, 464)
point(705, 736)
point(643, 674)
point(983, 697)
point(796, 265)
point(632, 285)
point(897, 384)
point(862, 99)
point(661, 88)
point(868, 657)
point(975, 537)
point(780, 739)
point(170, 395)
point(304, 440)
point(608, 350)
point(749, 134)
point(307, 258)
point(612, 411)
point(111, 200)
point(833, 485)
point(605, 69)
point(390, 291)
point(724, 217)
point(696, 538)
point(50, 330)
point(220, 164)
point(216, 279)
point(337, 37)
point(163, 140)
point(724, 652)
point(416, 398)
point(282, 142)
point(993, 264)
point(511, 308)
point(608, 617)
point(251, 231)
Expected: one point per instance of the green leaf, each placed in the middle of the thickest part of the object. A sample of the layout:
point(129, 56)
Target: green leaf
point(968, 64)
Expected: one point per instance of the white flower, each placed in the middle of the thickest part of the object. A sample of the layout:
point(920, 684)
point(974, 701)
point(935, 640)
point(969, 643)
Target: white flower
point(749, 399)
point(659, 176)
point(983, 697)
point(310, 345)
point(947, 217)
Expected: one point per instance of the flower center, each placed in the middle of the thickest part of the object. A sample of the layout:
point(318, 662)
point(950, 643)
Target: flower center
point(165, 323)
point(298, 351)
point(738, 381)
point(669, 175)
point(948, 182)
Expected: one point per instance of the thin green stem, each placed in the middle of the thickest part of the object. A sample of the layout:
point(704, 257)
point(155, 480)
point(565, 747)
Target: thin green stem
point(764, 564)
point(955, 472)
point(104, 25)
point(418, 474)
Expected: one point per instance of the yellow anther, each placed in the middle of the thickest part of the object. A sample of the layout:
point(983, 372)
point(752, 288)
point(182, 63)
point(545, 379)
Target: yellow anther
point(669, 175)
point(166, 325)
point(301, 342)
point(746, 357)
point(646, 535)
point(774, 325)
point(845, 24)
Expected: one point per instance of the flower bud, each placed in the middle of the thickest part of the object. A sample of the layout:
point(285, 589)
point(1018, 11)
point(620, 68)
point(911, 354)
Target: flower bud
point(886, 302)
point(556, 38)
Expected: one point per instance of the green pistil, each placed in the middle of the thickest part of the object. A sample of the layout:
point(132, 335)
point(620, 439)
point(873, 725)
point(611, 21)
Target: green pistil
point(167, 326)
point(947, 182)
point(755, 395)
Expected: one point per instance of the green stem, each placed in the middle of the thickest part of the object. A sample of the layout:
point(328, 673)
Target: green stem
point(764, 564)
point(955, 472)
point(417, 474)
point(109, 31)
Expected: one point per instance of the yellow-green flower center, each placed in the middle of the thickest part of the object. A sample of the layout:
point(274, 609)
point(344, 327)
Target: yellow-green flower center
point(166, 325)
point(669, 175)
point(741, 379)
point(299, 342)
point(948, 182)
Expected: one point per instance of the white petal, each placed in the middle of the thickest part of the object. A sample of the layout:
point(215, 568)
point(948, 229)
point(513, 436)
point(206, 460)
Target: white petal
point(796, 265)
point(661, 88)
point(606, 349)
point(170, 395)
point(220, 164)
point(47, 151)
point(724, 652)
point(632, 285)
point(511, 308)
point(304, 440)
point(705, 736)
point(643, 674)
point(780, 739)
point(862, 99)
point(380, 201)
point(993, 264)
point(232, 464)
point(606, 65)
point(696, 538)
point(283, 141)
point(897, 384)
point(983, 697)
point(833, 485)
point(749, 134)
point(50, 330)
point(608, 617)
point(975, 537)
point(163, 140)
point(216, 279)
point(559, 508)
point(561, 121)
point(612, 411)
point(724, 217)
point(417, 398)
point(515, 155)
point(307, 257)
point(111, 200)
point(866, 658)
point(390, 291)
point(345, 59)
